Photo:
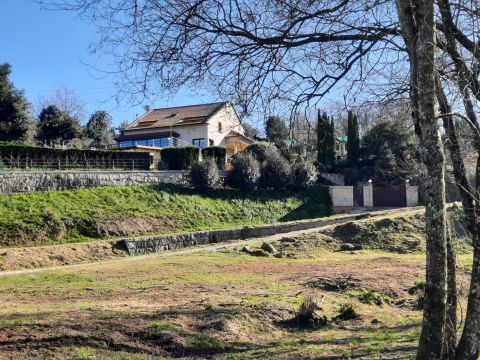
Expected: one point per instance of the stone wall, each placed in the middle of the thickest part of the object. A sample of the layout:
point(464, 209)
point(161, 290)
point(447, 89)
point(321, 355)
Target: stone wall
point(26, 182)
point(152, 244)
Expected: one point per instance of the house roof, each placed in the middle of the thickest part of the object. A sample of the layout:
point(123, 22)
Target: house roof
point(176, 116)
point(235, 134)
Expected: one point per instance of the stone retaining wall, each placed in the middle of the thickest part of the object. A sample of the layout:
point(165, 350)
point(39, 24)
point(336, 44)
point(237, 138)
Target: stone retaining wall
point(26, 182)
point(153, 244)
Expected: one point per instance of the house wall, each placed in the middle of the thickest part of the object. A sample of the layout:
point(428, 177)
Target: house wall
point(186, 132)
point(230, 121)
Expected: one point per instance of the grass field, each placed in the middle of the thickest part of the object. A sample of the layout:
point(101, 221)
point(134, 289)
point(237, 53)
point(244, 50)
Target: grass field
point(80, 215)
point(225, 304)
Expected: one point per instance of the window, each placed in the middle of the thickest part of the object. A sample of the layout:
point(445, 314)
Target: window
point(141, 142)
point(125, 143)
point(220, 127)
point(199, 142)
point(162, 142)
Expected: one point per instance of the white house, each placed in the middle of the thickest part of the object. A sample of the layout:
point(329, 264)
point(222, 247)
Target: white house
point(203, 125)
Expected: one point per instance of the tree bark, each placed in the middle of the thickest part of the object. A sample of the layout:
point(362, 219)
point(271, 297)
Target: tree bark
point(418, 29)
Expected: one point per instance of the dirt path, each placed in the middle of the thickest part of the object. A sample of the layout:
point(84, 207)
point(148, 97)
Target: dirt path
point(208, 248)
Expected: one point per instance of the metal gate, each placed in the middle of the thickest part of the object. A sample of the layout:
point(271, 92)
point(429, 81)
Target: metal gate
point(358, 196)
point(389, 196)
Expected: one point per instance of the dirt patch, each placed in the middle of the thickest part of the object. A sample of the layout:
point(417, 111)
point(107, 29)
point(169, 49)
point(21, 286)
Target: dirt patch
point(58, 255)
point(333, 284)
point(401, 234)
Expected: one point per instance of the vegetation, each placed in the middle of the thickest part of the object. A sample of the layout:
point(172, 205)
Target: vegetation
point(65, 216)
point(180, 158)
point(304, 175)
point(204, 175)
point(218, 153)
point(276, 130)
point(325, 141)
point(353, 140)
point(245, 174)
point(24, 156)
point(262, 150)
point(55, 125)
point(275, 172)
point(99, 128)
point(15, 122)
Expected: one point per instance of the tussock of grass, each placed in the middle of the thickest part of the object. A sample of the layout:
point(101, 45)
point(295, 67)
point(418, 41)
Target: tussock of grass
point(79, 215)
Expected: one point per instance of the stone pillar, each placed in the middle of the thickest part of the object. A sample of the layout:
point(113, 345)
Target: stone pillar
point(368, 194)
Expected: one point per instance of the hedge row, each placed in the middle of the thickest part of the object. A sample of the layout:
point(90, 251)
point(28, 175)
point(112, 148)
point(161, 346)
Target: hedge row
point(183, 158)
point(180, 158)
point(216, 152)
point(25, 156)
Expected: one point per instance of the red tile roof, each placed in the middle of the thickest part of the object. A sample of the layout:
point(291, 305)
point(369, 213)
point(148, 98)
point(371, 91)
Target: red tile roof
point(175, 116)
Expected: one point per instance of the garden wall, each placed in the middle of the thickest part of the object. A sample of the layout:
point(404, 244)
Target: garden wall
point(152, 244)
point(26, 182)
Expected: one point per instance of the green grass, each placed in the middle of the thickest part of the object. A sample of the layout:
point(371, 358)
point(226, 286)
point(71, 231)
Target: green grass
point(70, 216)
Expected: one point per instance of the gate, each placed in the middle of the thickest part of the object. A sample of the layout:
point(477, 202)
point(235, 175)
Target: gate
point(358, 196)
point(389, 196)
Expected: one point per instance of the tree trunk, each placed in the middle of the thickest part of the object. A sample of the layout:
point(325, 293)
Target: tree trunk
point(418, 29)
point(469, 346)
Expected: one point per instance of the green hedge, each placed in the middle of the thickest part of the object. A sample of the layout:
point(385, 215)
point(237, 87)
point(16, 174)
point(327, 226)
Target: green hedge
point(179, 158)
point(26, 156)
point(218, 153)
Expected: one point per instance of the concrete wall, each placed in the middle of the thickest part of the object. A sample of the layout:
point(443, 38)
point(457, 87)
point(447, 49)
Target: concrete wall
point(151, 244)
point(26, 182)
point(341, 195)
point(412, 195)
point(368, 196)
point(343, 199)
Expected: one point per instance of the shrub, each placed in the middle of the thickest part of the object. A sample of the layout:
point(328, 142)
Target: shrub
point(204, 174)
point(218, 153)
point(304, 175)
point(180, 158)
point(275, 172)
point(347, 312)
point(305, 316)
point(245, 174)
point(306, 311)
point(263, 150)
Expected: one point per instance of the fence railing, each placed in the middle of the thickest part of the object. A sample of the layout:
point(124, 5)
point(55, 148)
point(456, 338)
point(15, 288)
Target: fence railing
point(63, 164)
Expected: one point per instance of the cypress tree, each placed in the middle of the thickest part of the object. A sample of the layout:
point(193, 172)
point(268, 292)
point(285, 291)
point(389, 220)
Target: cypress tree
point(321, 134)
point(353, 140)
point(325, 140)
point(331, 143)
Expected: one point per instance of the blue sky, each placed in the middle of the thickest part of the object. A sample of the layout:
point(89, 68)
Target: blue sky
point(48, 49)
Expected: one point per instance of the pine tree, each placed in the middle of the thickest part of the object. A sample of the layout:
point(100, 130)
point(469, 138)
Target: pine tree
point(15, 122)
point(56, 125)
point(353, 140)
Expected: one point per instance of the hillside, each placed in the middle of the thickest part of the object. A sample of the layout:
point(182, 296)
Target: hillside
point(227, 304)
point(81, 215)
